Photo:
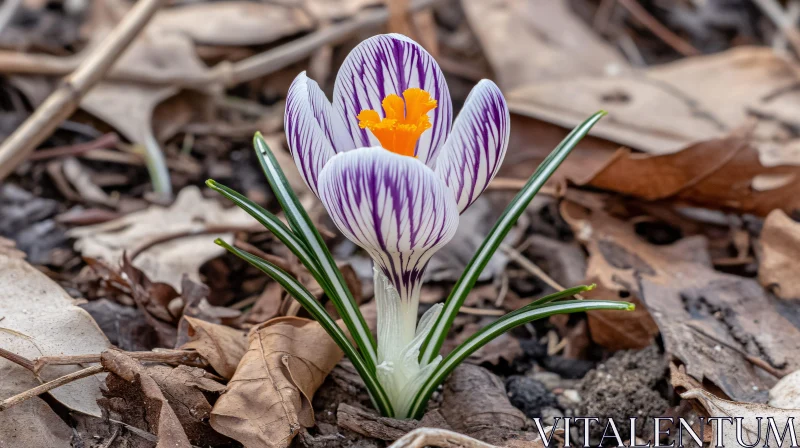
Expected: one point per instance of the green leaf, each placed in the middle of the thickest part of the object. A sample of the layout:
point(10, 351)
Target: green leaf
point(497, 328)
point(433, 343)
point(302, 295)
point(559, 295)
point(303, 227)
point(272, 223)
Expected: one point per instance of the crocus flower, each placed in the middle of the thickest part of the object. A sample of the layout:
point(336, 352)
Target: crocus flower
point(394, 173)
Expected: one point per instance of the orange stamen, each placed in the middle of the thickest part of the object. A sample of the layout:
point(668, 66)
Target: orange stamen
point(405, 119)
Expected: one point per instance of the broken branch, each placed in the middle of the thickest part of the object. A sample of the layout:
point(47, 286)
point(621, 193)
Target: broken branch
point(184, 357)
point(50, 385)
point(63, 102)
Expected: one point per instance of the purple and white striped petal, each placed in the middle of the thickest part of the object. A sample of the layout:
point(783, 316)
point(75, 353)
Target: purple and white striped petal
point(313, 131)
point(394, 207)
point(387, 64)
point(475, 149)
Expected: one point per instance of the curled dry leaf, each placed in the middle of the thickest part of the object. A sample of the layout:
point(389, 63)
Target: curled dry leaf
point(755, 425)
point(786, 394)
point(717, 173)
point(268, 399)
point(158, 416)
point(38, 318)
point(222, 346)
point(185, 389)
point(609, 269)
point(714, 126)
point(780, 255)
point(167, 261)
point(194, 297)
point(153, 299)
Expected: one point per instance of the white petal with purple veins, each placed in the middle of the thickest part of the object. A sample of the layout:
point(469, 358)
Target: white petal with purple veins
point(314, 133)
point(387, 64)
point(393, 206)
point(475, 149)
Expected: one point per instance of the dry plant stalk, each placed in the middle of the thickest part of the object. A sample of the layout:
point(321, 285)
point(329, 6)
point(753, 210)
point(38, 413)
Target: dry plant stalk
point(532, 268)
point(50, 385)
point(63, 102)
point(665, 34)
point(184, 357)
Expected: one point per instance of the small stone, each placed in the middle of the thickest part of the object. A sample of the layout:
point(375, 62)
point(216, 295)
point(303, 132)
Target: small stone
point(549, 379)
point(549, 416)
point(529, 395)
point(572, 395)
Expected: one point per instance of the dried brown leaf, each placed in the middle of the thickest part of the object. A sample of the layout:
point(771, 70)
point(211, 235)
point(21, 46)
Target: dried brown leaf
point(38, 318)
point(671, 106)
point(30, 424)
point(153, 299)
point(185, 389)
point(716, 173)
point(268, 304)
point(786, 394)
point(563, 44)
point(780, 255)
point(222, 346)
point(755, 425)
point(168, 261)
point(235, 23)
point(614, 330)
point(707, 319)
point(148, 408)
point(268, 399)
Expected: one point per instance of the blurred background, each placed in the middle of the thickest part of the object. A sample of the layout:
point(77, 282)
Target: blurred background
point(683, 200)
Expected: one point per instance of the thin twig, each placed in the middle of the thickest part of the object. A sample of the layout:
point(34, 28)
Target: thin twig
point(64, 100)
point(281, 57)
point(472, 311)
point(207, 230)
point(750, 358)
point(105, 141)
point(501, 295)
point(50, 385)
point(785, 23)
point(662, 32)
point(531, 267)
point(17, 359)
point(185, 357)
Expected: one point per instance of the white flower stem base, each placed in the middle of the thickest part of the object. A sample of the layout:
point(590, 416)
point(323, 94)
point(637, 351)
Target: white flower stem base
point(399, 342)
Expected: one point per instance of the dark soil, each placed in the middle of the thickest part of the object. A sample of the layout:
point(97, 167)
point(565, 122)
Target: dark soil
point(624, 386)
